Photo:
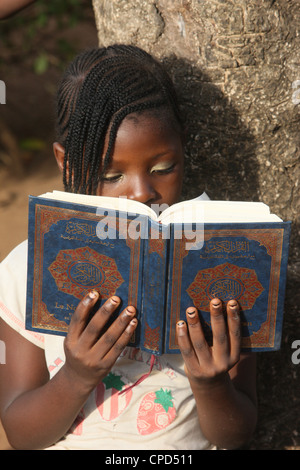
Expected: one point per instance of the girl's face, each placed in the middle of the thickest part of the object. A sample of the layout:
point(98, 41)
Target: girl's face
point(147, 162)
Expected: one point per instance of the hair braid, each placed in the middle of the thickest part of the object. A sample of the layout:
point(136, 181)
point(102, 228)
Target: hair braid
point(99, 89)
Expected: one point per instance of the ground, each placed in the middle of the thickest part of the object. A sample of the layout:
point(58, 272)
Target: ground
point(27, 167)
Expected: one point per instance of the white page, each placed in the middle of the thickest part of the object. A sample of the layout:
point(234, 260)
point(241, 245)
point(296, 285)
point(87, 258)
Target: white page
point(194, 210)
point(219, 212)
point(123, 204)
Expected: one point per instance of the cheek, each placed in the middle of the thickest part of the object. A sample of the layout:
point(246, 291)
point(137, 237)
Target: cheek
point(104, 190)
point(170, 189)
point(108, 190)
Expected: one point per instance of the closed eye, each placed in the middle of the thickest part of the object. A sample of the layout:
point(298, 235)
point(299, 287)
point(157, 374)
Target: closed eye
point(163, 169)
point(160, 169)
point(111, 178)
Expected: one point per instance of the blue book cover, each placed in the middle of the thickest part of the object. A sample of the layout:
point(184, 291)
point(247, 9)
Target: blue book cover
point(73, 248)
point(68, 257)
point(246, 262)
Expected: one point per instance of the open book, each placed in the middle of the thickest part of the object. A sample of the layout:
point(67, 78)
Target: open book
point(161, 260)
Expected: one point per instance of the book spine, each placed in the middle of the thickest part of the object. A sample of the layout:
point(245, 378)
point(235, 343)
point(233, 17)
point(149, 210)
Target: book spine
point(174, 291)
point(154, 289)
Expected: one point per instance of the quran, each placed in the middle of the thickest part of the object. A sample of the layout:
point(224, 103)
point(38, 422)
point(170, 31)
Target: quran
point(160, 260)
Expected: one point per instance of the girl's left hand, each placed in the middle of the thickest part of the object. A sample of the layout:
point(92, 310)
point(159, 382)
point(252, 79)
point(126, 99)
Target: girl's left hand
point(204, 362)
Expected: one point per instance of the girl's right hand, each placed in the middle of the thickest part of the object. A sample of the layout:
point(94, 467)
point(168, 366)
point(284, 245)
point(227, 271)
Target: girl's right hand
point(91, 348)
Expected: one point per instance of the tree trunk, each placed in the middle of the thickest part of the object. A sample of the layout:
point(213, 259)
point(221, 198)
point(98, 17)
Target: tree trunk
point(236, 65)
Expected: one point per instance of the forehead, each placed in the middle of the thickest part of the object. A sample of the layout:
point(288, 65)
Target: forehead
point(146, 134)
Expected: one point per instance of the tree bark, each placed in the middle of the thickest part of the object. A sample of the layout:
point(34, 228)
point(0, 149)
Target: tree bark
point(236, 66)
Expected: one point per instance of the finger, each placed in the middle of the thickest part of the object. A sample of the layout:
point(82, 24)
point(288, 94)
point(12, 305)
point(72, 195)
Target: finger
point(184, 342)
point(219, 330)
point(113, 334)
point(81, 315)
point(186, 348)
point(234, 329)
point(97, 323)
point(196, 334)
point(122, 342)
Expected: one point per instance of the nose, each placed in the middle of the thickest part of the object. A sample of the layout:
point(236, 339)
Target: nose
point(142, 190)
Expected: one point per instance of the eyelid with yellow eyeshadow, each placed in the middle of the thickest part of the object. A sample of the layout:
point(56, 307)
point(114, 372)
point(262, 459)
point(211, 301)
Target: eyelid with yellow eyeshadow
point(159, 167)
point(163, 167)
point(111, 177)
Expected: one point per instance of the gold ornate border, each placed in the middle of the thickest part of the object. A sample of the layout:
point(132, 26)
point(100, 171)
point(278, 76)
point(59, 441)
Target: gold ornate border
point(45, 217)
point(272, 240)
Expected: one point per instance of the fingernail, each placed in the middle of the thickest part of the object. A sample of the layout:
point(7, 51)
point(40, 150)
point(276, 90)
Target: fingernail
point(191, 313)
point(93, 294)
point(133, 322)
point(114, 300)
point(216, 303)
point(233, 305)
point(130, 310)
point(180, 323)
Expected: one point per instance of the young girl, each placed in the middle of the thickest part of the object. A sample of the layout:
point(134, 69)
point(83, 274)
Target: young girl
point(120, 134)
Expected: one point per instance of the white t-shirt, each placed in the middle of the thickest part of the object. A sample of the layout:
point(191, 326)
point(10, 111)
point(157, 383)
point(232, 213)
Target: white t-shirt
point(158, 413)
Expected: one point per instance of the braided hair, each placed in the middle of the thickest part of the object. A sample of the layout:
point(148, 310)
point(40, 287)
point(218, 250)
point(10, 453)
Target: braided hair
point(98, 90)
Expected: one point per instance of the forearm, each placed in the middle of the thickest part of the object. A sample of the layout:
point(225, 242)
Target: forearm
point(227, 415)
point(36, 412)
point(45, 413)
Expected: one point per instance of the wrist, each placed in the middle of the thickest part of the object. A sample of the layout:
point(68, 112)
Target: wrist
point(75, 383)
point(207, 384)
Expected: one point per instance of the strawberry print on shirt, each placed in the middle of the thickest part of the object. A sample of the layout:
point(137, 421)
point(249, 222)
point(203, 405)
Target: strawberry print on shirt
point(156, 412)
point(109, 401)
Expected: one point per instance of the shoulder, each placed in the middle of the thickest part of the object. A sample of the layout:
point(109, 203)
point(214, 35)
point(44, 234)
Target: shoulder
point(13, 272)
point(18, 254)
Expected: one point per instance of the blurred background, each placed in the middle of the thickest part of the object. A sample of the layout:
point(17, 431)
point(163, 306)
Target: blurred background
point(36, 44)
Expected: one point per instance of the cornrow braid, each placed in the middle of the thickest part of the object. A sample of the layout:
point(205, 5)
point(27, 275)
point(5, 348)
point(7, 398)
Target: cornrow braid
point(98, 90)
